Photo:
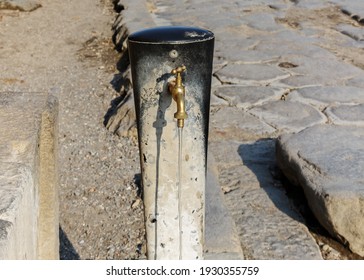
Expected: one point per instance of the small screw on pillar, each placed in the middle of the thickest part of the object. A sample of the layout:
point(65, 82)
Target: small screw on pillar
point(177, 89)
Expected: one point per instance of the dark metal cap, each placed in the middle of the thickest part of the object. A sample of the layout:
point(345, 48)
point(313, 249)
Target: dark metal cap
point(171, 34)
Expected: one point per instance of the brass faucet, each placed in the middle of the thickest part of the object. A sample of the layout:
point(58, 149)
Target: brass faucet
point(177, 89)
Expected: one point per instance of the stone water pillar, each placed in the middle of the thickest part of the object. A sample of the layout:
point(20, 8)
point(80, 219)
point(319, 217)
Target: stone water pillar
point(154, 53)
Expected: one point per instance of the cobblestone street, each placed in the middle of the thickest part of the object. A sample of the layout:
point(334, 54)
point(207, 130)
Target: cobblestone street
point(286, 132)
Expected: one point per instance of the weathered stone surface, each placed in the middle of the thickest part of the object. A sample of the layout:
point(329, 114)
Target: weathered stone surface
point(323, 96)
point(18, 212)
point(250, 74)
point(232, 123)
point(357, 81)
point(21, 5)
point(311, 4)
point(354, 32)
point(263, 21)
point(221, 237)
point(328, 162)
point(353, 8)
point(346, 114)
point(217, 101)
point(288, 116)
point(311, 71)
point(28, 181)
point(288, 42)
point(247, 56)
point(244, 97)
point(227, 42)
point(268, 226)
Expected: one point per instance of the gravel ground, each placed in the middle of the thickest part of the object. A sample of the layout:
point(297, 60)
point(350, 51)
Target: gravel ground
point(65, 48)
point(101, 209)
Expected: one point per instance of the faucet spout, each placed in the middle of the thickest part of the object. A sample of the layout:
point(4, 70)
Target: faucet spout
point(177, 89)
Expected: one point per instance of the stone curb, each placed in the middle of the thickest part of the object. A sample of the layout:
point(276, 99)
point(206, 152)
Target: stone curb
point(221, 237)
point(28, 181)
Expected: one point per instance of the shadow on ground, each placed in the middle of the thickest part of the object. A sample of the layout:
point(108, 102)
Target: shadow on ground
point(259, 157)
point(66, 249)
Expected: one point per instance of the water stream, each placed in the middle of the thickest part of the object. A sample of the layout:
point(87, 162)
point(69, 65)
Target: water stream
point(179, 178)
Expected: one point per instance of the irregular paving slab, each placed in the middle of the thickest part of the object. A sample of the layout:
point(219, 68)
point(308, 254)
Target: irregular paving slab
point(21, 5)
point(263, 22)
point(346, 114)
point(268, 225)
point(250, 74)
point(232, 123)
point(288, 42)
point(288, 116)
point(246, 56)
point(244, 97)
point(323, 96)
point(327, 161)
point(228, 39)
point(326, 70)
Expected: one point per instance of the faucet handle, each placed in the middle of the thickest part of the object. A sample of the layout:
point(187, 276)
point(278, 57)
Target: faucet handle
point(178, 70)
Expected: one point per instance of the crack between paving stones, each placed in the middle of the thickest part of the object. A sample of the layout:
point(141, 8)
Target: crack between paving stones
point(225, 99)
point(262, 120)
point(221, 81)
point(324, 112)
point(286, 93)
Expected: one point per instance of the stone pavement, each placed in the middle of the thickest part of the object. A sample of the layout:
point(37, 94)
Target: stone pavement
point(292, 68)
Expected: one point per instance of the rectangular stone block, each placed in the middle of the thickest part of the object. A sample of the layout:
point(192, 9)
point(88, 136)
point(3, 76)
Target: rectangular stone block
point(28, 181)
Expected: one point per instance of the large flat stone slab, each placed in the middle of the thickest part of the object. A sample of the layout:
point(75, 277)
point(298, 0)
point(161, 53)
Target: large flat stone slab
point(28, 181)
point(321, 70)
point(245, 97)
point(323, 96)
point(328, 162)
point(263, 21)
point(18, 212)
point(346, 114)
point(236, 54)
point(253, 74)
point(288, 116)
point(233, 123)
